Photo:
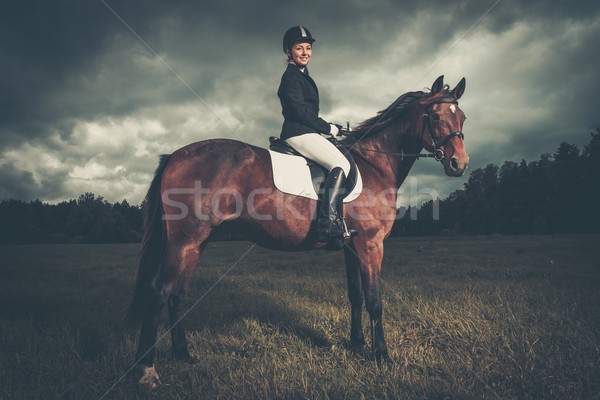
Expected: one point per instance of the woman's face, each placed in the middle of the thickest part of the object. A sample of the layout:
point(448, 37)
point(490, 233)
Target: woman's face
point(300, 53)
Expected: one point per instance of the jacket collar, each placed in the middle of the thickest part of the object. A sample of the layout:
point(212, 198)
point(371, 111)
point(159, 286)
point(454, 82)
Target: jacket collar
point(303, 71)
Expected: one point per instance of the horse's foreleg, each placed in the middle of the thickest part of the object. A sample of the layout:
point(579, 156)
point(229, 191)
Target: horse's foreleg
point(370, 266)
point(371, 287)
point(355, 295)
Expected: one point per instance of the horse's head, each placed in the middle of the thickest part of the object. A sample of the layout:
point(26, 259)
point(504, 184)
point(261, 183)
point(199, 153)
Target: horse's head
point(442, 126)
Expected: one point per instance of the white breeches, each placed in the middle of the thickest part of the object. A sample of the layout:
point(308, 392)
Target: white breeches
point(320, 150)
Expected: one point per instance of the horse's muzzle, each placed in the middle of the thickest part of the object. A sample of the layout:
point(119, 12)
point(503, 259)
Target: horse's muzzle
point(456, 166)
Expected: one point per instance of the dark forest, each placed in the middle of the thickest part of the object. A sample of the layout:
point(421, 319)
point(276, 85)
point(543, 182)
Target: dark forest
point(556, 194)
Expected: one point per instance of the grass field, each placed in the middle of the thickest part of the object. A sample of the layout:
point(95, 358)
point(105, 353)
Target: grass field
point(466, 318)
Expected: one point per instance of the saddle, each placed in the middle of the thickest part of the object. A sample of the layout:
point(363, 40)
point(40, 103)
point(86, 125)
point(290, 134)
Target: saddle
point(318, 173)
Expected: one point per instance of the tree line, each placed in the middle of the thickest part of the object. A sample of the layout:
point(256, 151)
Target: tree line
point(559, 193)
point(89, 219)
point(556, 194)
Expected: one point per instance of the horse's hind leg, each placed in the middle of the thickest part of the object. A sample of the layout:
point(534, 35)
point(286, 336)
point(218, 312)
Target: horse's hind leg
point(176, 303)
point(168, 287)
point(158, 295)
point(178, 340)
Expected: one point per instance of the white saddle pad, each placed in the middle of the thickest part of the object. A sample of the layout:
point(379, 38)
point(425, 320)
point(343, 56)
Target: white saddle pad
point(292, 176)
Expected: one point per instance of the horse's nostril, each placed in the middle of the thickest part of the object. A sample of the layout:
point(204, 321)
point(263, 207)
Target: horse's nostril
point(454, 163)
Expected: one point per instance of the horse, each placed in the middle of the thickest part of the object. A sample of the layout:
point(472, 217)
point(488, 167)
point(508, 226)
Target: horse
point(206, 184)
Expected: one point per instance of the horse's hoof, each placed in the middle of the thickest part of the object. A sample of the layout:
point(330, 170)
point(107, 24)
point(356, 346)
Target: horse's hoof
point(358, 346)
point(186, 358)
point(149, 380)
point(383, 359)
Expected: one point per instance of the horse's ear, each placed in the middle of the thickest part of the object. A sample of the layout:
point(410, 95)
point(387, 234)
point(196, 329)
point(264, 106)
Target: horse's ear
point(458, 91)
point(438, 85)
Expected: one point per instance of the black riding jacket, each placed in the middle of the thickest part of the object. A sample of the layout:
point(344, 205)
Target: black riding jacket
point(299, 98)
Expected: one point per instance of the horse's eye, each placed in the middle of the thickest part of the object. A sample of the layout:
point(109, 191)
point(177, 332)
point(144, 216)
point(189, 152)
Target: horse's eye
point(435, 117)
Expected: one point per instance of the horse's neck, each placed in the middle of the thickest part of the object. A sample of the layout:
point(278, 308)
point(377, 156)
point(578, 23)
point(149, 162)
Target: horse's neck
point(394, 140)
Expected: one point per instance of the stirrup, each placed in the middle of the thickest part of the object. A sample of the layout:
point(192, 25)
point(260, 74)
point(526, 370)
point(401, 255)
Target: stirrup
point(348, 233)
point(337, 242)
point(328, 229)
point(344, 236)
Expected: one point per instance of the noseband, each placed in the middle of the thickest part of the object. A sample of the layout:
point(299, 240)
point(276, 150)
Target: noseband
point(438, 152)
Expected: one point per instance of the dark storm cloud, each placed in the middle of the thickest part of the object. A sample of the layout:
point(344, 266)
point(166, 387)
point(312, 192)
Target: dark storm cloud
point(42, 45)
point(73, 74)
point(15, 180)
point(53, 52)
point(52, 49)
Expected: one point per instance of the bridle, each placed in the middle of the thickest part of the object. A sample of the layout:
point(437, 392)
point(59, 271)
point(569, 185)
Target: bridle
point(437, 153)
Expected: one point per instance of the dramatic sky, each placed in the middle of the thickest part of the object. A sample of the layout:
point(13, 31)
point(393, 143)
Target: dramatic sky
point(92, 91)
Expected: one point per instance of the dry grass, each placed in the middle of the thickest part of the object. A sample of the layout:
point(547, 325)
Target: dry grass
point(466, 318)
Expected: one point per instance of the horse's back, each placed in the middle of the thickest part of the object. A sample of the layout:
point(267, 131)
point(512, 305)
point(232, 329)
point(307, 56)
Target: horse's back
point(226, 150)
point(209, 159)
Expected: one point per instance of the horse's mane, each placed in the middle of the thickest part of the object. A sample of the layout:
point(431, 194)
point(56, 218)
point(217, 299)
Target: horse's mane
point(386, 117)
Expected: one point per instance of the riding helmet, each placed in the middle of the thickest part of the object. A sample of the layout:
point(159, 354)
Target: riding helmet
point(296, 34)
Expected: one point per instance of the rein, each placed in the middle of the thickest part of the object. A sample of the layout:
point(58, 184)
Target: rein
point(402, 154)
point(437, 153)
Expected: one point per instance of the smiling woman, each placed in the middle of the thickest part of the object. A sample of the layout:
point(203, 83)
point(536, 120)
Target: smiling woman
point(302, 128)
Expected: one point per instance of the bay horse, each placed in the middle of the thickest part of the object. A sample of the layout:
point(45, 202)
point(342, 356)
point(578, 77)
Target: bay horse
point(206, 184)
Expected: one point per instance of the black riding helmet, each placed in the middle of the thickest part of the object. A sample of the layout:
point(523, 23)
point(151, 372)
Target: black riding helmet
point(296, 34)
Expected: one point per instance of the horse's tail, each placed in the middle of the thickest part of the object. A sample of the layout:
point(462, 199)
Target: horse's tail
point(152, 247)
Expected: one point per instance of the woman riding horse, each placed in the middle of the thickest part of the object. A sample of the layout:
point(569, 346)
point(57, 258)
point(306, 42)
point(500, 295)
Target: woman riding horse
point(208, 184)
point(302, 128)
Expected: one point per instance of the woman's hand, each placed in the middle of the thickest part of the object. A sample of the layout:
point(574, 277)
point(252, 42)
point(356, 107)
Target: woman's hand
point(335, 129)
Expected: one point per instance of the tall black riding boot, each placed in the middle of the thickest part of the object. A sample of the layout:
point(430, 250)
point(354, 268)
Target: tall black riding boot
point(330, 225)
